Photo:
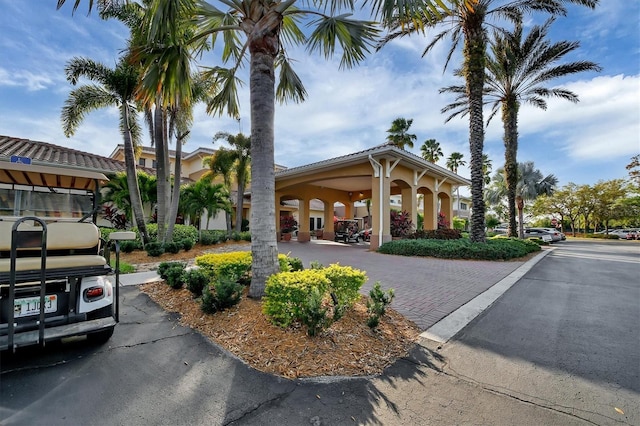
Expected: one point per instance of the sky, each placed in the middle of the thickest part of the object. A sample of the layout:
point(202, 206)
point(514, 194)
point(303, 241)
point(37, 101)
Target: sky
point(349, 110)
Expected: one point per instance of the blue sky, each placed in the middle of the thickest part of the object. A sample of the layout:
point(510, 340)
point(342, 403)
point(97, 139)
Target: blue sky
point(349, 110)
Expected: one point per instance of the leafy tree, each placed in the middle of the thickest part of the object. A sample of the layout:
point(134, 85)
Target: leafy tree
point(634, 171)
point(465, 22)
point(517, 69)
point(564, 203)
point(398, 133)
point(431, 150)
point(531, 184)
point(116, 87)
point(608, 196)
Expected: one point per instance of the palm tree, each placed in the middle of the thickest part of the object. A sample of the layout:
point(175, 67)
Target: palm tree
point(517, 71)
point(116, 88)
point(431, 150)
point(398, 135)
point(256, 30)
point(486, 168)
point(117, 192)
point(204, 197)
point(466, 21)
point(531, 184)
point(454, 161)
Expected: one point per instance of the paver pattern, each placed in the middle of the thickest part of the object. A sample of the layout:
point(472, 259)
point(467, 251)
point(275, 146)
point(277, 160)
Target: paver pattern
point(426, 289)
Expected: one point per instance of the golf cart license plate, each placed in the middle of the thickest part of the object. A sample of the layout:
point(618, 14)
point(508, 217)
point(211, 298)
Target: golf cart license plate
point(31, 306)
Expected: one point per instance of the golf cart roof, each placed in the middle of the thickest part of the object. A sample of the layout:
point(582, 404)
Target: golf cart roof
point(60, 177)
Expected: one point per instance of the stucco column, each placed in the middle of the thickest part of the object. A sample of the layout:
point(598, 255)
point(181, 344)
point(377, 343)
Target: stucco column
point(430, 211)
point(381, 194)
point(328, 233)
point(446, 207)
point(409, 203)
point(303, 221)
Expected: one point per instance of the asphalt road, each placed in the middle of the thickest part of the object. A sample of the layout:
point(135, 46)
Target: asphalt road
point(566, 336)
point(560, 347)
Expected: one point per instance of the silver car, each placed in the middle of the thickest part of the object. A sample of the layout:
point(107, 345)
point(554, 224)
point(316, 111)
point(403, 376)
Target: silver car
point(551, 236)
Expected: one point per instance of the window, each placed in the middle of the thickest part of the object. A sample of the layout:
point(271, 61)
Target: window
point(142, 162)
point(154, 164)
point(463, 206)
point(318, 223)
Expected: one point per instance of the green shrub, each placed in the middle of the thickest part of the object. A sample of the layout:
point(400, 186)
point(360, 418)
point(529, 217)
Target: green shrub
point(180, 232)
point(436, 234)
point(287, 292)
point(493, 249)
point(377, 304)
point(226, 293)
point(164, 267)
point(290, 264)
point(316, 265)
point(603, 236)
point(175, 277)
point(187, 244)
point(195, 280)
point(125, 268)
point(245, 236)
point(104, 232)
point(344, 288)
point(210, 237)
point(313, 312)
point(235, 236)
point(235, 264)
point(154, 249)
point(172, 247)
point(129, 246)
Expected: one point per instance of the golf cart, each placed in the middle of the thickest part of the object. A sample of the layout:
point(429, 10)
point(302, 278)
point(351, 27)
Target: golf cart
point(54, 281)
point(346, 230)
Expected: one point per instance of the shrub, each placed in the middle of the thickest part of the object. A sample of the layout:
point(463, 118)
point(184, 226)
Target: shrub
point(436, 234)
point(315, 265)
point(164, 267)
point(125, 268)
point(235, 236)
point(401, 224)
point(287, 292)
point(129, 246)
point(180, 232)
point(175, 277)
point(172, 247)
point(378, 303)
point(313, 312)
point(603, 236)
point(235, 264)
point(154, 249)
point(187, 244)
point(209, 237)
point(344, 288)
point(245, 236)
point(195, 280)
point(226, 293)
point(493, 249)
point(289, 264)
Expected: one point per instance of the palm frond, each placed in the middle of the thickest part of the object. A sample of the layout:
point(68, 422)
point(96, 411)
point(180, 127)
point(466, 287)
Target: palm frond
point(225, 87)
point(80, 102)
point(290, 86)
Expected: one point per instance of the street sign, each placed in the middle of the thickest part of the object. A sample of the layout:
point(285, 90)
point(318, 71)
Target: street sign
point(21, 160)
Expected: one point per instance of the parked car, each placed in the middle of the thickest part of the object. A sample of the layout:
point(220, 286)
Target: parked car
point(626, 234)
point(543, 234)
point(562, 235)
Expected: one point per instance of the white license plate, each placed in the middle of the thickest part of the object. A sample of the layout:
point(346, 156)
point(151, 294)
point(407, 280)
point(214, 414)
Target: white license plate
point(31, 306)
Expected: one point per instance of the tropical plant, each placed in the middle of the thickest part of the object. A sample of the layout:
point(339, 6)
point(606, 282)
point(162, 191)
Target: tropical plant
point(431, 150)
point(233, 163)
point(465, 21)
point(116, 191)
point(398, 133)
point(486, 169)
point(454, 161)
point(517, 69)
point(116, 87)
point(531, 184)
point(203, 197)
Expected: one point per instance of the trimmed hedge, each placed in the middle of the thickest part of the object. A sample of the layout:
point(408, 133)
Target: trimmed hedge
point(436, 234)
point(494, 249)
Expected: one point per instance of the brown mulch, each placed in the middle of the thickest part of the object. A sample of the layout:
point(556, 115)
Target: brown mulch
point(347, 348)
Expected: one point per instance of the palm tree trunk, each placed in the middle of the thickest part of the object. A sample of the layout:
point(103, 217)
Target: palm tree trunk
point(474, 64)
point(175, 198)
point(510, 125)
point(239, 204)
point(132, 177)
point(520, 204)
point(264, 247)
point(161, 171)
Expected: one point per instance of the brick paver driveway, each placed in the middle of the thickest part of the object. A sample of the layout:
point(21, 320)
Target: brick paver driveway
point(426, 289)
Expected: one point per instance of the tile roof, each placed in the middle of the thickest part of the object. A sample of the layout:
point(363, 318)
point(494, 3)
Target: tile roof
point(48, 154)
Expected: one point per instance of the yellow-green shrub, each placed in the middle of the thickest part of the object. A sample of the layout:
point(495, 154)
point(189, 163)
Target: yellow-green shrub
point(345, 286)
point(287, 293)
point(235, 264)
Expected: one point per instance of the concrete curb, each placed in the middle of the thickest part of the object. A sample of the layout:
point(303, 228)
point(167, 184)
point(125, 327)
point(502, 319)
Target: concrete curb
point(450, 325)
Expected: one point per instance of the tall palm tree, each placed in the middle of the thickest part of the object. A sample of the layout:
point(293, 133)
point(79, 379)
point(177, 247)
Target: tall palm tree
point(531, 184)
point(233, 164)
point(116, 87)
point(486, 168)
point(466, 22)
point(254, 32)
point(517, 71)
point(398, 133)
point(454, 161)
point(431, 150)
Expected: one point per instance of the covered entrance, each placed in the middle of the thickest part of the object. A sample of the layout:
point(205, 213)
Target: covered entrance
point(379, 174)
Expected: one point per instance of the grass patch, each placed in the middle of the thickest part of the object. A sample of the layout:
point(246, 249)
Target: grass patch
point(493, 249)
point(125, 268)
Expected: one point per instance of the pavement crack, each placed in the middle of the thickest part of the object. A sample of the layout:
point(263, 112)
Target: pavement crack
point(560, 409)
point(256, 407)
